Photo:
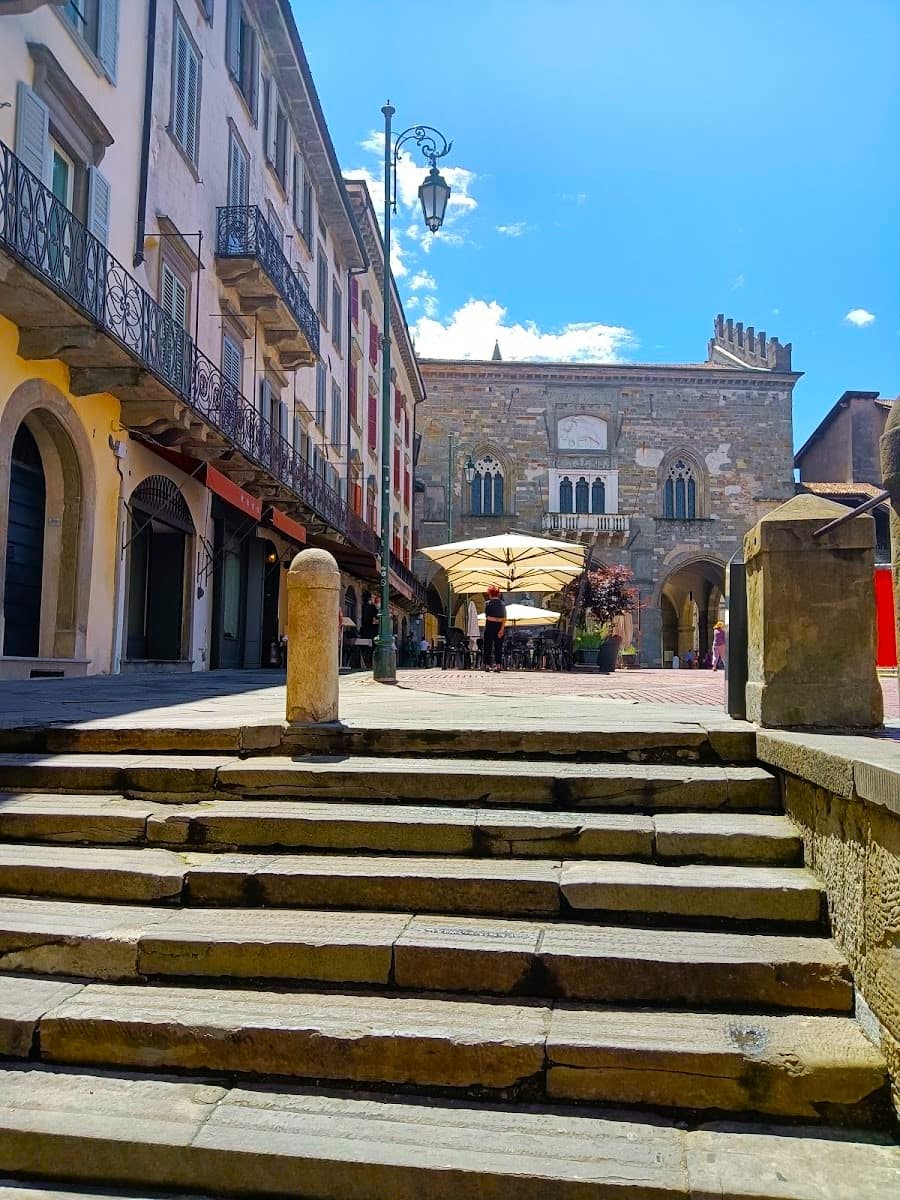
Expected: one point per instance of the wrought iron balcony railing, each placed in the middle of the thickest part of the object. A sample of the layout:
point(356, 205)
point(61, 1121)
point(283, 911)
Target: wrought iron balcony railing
point(402, 571)
point(39, 232)
point(243, 232)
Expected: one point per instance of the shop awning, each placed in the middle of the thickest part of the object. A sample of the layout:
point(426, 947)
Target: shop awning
point(287, 525)
point(217, 483)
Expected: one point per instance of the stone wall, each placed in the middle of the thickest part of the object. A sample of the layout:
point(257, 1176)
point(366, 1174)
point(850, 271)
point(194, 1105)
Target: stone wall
point(733, 423)
point(844, 794)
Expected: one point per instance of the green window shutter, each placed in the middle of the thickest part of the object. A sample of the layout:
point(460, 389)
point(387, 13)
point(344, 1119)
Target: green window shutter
point(108, 35)
point(98, 215)
point(33, 132)
point(174, 297)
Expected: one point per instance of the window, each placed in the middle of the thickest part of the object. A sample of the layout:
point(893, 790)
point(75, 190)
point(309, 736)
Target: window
point(242, 53)
point(486, 489)
point(680, 491)
point(397, 467)
point(206, 7)
point(297, 191)
point(322, 285)
point(354, 301)
point(372, 415)
point(337, 314)
point(335, 415)
point(320, 395)
point(232, 362)
point(352, 377)
point(306, 227)
point(185, 120)
point(173, 296)
point(238, 172)
point(276, 226)
point(584, 492)
point(373, 343)
point(62, 175)
point(96, 22)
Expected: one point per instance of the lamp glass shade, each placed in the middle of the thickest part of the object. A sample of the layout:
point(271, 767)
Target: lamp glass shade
point(469, 470)
point(434, 194)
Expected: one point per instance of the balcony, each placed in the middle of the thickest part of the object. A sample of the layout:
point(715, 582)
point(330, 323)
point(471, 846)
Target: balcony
point(250, 259)
point(405, 582)
point(73, 301)
point(584, 526)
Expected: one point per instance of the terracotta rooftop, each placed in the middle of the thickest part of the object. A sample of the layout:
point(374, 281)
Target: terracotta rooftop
point(842, 489)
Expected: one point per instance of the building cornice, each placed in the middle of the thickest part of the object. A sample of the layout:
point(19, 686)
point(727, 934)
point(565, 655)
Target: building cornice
point(610, 373)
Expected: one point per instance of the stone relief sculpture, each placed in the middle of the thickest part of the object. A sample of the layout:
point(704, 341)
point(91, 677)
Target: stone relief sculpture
point(582, 432)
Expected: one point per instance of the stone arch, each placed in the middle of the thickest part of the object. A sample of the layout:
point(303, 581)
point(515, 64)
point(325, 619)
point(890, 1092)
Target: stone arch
point(69, 475)
point(685, 466)
point(689, 597)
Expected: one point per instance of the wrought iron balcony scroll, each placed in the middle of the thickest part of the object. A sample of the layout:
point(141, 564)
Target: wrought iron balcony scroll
point(39, 232)
point(243, 232)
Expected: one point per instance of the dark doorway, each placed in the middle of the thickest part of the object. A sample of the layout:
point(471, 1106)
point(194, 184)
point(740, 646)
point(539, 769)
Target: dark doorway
point(24, 548)
point(160, 524)
point(271, 647)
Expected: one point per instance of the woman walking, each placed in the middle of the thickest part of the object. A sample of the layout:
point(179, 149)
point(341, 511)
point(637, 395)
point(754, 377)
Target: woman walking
point(494, 628)
point(719, 646)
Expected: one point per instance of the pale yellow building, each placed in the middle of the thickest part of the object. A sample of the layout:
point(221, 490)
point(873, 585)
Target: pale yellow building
point(177, 250)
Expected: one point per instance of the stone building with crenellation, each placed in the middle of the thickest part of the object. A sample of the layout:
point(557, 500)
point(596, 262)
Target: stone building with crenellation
point(662, 467)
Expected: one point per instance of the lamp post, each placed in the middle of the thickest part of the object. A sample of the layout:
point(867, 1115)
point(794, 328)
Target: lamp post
point(433, 194)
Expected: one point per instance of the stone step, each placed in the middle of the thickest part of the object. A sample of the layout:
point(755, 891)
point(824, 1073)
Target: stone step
point(109, 1129)
point(609, 964)
point(398, 828)
point(790, 1066)
point(472, 783)
point(411, 883)
point(12, 1189)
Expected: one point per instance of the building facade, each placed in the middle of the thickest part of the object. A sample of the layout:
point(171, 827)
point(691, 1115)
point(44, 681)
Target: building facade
point(663, 468)
point(177, 248)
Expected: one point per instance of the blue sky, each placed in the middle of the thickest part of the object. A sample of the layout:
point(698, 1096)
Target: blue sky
point(625, 170)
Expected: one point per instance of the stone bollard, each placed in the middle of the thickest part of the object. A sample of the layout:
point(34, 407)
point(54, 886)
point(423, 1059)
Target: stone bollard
point(811, 619)
point(890, 473)
point(314, 587)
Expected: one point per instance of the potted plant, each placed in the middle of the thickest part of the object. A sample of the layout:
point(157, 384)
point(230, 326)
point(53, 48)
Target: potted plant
point(595, 602)
point(629, 657)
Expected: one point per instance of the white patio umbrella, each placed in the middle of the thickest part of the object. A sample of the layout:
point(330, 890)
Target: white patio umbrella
point(515, 562)
point(527, 614)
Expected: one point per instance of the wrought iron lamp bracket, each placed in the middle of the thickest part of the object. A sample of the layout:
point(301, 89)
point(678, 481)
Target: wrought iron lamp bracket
point(432, 144)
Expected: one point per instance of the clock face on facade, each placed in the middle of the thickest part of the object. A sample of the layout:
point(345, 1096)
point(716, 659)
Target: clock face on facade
point(581, 433)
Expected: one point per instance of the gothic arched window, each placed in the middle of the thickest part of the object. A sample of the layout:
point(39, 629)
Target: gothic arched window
point(582, 492)
point(680, 491)
point(565, 494)
point(598, 496)
point(487, 488)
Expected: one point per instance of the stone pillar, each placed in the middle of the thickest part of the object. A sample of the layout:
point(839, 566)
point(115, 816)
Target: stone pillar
point(811, 619)
point(314, 590)
point(890, 473)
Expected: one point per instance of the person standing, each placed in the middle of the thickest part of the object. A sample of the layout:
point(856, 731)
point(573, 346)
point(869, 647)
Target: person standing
point(494, 629)
point(368, 627)
point(719, 646)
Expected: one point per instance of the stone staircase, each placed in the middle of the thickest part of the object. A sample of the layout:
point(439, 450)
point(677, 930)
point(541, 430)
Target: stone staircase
point(381, 976)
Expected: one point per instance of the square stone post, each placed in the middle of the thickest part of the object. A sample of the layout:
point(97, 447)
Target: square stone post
point(811, 619)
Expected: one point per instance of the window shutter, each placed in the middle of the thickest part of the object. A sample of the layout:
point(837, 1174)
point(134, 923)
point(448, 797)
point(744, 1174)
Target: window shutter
point(186, 100)
point(373, 421)
point(174, 297)
point(233, 38)
point(192, 106)
point(33, 132)
point(271, 98)
point(108, 35)
point(283, 419)
point(354, 301)
point(237, 174)
point(98, 213)
point(232, 367)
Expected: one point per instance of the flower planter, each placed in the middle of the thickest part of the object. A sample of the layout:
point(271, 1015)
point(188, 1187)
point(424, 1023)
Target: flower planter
point(608, 653)
point(586, 658)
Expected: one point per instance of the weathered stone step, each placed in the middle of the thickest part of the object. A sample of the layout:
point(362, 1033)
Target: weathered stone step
point(398, 828)
point(104, 1128)
point(791, 1066)
point(12, 1189)
point(445, 884)
point(601, 963)
point(485, 783)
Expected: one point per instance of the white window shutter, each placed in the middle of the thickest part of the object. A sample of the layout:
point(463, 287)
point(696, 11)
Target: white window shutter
point(98, 214)
point(108, 35)
point(283, 419)
point(193, 106)
point(271, 122)
point(33, 132)
point(233, 37)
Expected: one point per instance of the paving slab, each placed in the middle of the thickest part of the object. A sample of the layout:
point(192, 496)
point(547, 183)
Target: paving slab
point(786, 1066)
point(91, 873)
point(739, 837)
point(470, 885)
point(736, 893)
point(374, 1039)
point(325, 947)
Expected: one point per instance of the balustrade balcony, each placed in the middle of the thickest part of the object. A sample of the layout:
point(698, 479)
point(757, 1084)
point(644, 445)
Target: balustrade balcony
point(578, 526)
point(250, 259)
point(73, 300)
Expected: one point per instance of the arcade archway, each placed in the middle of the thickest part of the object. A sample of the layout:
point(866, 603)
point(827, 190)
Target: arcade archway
point(691, 603)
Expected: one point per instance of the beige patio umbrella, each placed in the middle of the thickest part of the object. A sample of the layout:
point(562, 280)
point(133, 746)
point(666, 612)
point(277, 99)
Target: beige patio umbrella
point(515, 562)
point(526, 614)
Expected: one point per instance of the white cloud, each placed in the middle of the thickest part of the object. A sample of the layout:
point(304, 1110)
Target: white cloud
point(738, 281)
point(422, 281)
point(472, 330)
point(579, 198)
point(859, 317)
point(514, 229)
point(411, 302)
point(430, 306)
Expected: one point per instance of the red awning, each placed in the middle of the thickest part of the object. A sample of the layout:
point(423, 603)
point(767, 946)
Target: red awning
point(218, 483)
point(286, 525)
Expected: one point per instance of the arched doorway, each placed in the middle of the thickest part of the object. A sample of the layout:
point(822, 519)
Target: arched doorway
point(690, 602)
point(24, 548)
point(159, 542)
point(48, 496)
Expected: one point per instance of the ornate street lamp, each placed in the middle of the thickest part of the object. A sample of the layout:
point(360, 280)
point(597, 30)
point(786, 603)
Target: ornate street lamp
point(469, 469)
point(434, 194)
